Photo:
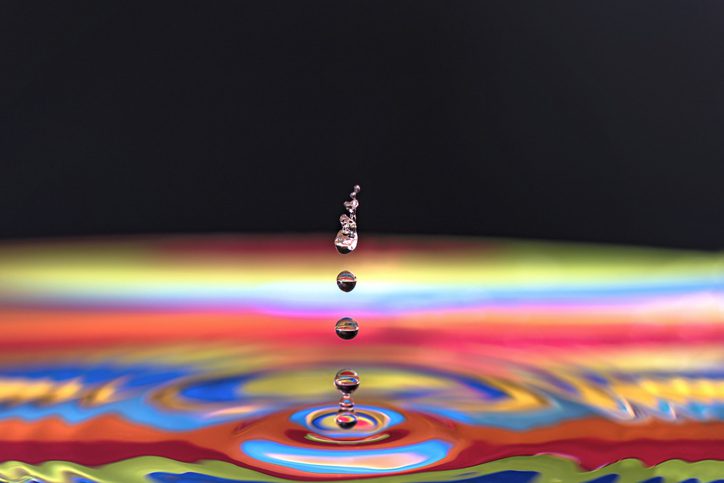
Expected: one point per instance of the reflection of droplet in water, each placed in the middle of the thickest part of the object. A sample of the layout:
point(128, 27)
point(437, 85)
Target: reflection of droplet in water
point(346, 281)
point(345, 242)
point(346, 328)
point(346, 381)
point(346, 420)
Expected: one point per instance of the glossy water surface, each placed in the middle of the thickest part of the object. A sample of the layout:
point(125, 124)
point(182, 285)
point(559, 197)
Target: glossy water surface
point(212, 359)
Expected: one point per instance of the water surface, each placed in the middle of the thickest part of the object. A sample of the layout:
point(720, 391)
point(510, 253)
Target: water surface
point(212, 360)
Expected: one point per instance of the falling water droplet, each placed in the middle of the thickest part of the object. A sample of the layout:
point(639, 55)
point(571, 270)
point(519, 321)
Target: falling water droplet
point(346, 420)
point(345, 242)
point(346, 381)
point(346, 281)
point(346, 328)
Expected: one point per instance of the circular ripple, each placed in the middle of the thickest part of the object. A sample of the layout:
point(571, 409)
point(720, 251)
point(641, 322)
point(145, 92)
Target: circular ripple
point(370, 421)
point(307, 442)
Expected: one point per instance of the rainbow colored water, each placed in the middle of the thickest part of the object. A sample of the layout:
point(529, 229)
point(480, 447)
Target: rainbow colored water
point(209, 360)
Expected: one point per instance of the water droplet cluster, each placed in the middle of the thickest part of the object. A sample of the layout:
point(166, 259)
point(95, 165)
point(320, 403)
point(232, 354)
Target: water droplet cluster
point(346, 240)
point(347, 380)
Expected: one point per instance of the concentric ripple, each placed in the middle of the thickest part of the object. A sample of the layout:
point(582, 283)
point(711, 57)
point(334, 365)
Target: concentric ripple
point(384, 441)
point(370, 421)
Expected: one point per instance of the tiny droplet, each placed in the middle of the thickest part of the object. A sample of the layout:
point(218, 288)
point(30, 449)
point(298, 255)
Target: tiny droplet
point(346, 403)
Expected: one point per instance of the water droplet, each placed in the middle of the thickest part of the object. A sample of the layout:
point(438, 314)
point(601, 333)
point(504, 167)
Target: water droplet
point(346, 420)
point(346, 381)
point(345, 242)
point(346, 328)
point(346, 403)
point(351, 205)
point(346, 281)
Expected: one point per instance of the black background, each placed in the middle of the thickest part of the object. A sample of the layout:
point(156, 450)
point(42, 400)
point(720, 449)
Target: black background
point(589, 121)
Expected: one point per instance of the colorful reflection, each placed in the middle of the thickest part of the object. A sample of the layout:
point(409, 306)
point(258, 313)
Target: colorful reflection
point(211, 360)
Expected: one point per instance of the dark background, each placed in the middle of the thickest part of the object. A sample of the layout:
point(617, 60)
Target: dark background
point(590, 121)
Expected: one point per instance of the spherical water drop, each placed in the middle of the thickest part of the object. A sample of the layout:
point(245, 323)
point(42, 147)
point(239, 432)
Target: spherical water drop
point(346, 420)
point(346, 381)
point(346, 281)
point(346, 328)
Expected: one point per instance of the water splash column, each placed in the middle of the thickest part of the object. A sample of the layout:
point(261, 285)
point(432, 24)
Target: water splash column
point(347, 380)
